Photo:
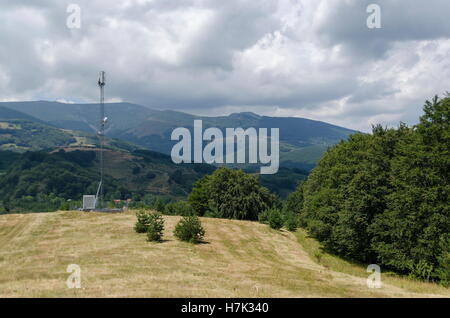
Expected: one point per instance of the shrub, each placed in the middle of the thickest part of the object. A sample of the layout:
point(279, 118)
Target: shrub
point(140, 228)
point(263, 217)
point(291, 222)
point(212, 212)
point(444, 261)
point(155, 227)
point(189, 229)
point(181, 208)
point(444, 272)
point(143, 221)
point(275, 219)
point(421, 270)
point(159, 205)
point(199, 197)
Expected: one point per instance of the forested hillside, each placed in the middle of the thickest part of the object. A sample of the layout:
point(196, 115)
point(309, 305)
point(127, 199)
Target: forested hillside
point(384, 197)
point(42, 181)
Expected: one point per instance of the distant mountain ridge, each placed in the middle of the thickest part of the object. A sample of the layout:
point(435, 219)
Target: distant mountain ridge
point(31, 126)
point(302, 141)
point(22, 132)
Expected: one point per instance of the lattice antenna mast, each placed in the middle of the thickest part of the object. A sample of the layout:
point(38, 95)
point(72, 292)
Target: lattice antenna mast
point(101, 134)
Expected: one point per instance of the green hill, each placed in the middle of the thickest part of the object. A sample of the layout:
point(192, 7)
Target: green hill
point(22, 135)
point(21, 132)
point(7, 114)
point(31, 180)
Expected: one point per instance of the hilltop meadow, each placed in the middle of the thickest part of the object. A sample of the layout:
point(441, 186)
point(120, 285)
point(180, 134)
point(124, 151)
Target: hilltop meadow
point(236, 259)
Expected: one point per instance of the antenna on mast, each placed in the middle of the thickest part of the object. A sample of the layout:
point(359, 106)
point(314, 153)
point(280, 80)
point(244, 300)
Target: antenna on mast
point(101, 133)
point(96, 202)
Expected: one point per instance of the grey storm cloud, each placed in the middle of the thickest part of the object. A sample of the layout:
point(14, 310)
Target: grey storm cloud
point(314, 59)
point(401, 21)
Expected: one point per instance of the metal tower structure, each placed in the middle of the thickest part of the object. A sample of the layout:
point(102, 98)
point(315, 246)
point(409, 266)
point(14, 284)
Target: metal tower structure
point(101, 135)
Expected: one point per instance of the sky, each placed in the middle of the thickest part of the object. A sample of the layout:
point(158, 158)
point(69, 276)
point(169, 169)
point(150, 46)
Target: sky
point(305, 58)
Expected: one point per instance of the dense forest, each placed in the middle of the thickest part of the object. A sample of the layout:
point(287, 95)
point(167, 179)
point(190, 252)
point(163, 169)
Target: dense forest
point(385, 197)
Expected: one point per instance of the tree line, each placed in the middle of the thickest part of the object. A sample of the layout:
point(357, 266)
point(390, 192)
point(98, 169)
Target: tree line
point(385, 197)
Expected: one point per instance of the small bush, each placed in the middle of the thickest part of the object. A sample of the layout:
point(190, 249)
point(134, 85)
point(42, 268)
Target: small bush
point(291, 222)
point(143, 221)
point(421, 270)
point(181, 208)
point(140, 228)
point(155, 227)
point(159, 205)
point(275, 219)
point(212, 212)
point(444, 262)
point(189, 229)
point(263, 217)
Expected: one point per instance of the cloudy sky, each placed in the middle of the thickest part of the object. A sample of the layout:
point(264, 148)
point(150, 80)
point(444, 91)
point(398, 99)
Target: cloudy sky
point(307, 58)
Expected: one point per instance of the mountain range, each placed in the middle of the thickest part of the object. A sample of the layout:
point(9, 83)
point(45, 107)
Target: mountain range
point(302, 141)
point(137, 143)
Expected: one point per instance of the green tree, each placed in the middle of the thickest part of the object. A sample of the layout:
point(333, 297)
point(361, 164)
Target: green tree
point(182, 208)
point(189, 229)
point(294, 201)
point(143, 221)
point(275, 219)
point(199, 196)
point(385, 196)
point(291, 221)
point(347, 189)
point(155, 227)
point(407, 236)
point(231, 194)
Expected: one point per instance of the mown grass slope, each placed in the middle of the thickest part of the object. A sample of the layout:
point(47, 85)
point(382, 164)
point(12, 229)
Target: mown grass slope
point(238, 259)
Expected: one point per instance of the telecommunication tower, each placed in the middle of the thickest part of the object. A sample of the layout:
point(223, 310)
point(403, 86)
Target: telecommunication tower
point(101, 135)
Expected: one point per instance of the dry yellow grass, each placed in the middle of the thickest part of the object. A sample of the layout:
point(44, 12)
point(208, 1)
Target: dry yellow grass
point(239, 259)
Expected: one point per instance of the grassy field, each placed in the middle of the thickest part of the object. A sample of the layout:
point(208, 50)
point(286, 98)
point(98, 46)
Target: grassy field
point(238, 259)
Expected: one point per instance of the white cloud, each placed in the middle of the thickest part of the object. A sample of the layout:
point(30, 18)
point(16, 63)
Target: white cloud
point(315, 59)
